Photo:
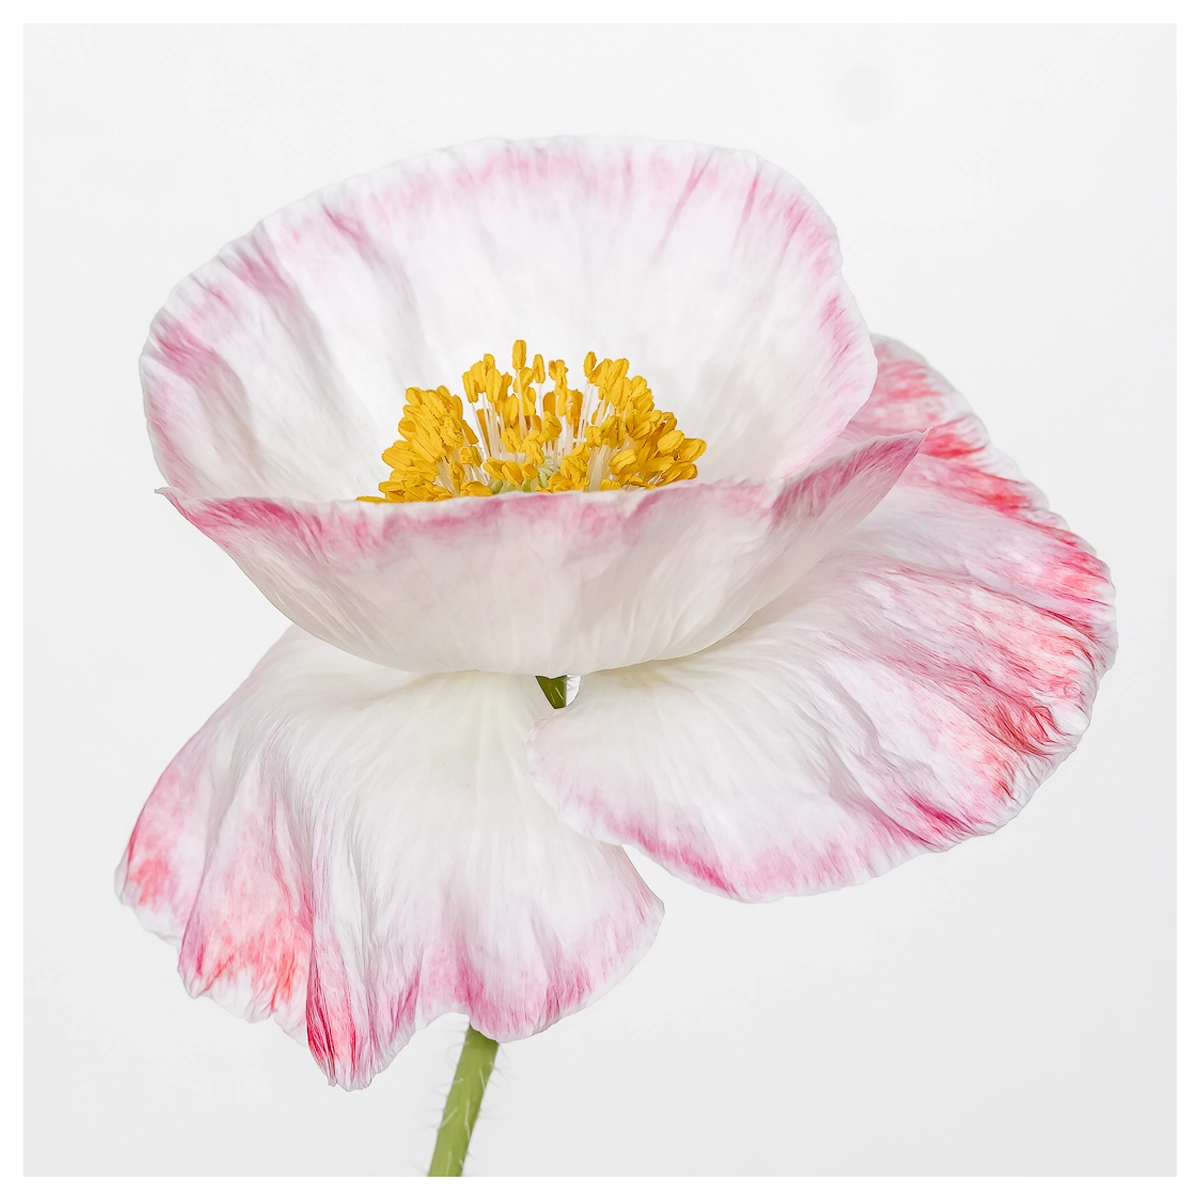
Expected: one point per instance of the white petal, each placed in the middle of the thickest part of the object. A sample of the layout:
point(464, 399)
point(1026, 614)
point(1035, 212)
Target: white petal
point(546, 584)
point(910, 692)
point(280, 368)
point(355, 851)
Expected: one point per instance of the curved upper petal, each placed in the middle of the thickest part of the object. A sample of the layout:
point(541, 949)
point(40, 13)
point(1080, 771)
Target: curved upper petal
point(909, 692)
point(280, 368)
point(540, 583)
point(355, 851)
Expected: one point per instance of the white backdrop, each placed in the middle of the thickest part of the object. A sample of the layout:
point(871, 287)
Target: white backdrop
point(1004, 198)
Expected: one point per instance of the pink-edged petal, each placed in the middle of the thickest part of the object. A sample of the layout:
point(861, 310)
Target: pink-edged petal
point(992, 523)
point(546, 584)
point(910, 692)
point(956, 456)
point(354, 851)
point(279, 369)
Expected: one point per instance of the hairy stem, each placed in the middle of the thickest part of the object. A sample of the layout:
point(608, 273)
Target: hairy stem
point(462, 1104)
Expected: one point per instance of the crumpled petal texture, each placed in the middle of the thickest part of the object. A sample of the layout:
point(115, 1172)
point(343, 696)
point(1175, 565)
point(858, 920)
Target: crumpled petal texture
point(274, 378)
point(909, 692)
point(280, 368)
point(858, 636)
point(354, 851)
point(542, 584)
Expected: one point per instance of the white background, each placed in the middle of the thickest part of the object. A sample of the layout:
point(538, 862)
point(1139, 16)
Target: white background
point(1004, 197)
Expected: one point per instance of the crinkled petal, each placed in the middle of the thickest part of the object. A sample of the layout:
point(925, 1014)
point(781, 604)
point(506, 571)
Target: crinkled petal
point(279, 369)
point(355, 851)
point(910, 692)
point(541, 583)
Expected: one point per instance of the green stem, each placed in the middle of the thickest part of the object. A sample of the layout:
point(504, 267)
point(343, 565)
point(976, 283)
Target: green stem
point(462, 1105)
point(555, 689)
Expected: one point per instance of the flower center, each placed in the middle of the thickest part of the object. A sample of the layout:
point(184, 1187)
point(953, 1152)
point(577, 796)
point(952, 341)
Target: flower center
point(530, 431)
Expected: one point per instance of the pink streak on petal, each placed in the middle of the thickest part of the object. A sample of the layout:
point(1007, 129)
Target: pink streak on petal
point(911, 691)
point(619, 577)
point(353, 851)
point(714, 271)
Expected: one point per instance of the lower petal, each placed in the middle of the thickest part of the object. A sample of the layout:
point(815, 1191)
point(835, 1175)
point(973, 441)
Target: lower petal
point(355, 851)
point(910, 692)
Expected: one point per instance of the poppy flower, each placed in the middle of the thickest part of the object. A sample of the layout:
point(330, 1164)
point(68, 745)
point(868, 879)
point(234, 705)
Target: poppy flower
point(818, 623)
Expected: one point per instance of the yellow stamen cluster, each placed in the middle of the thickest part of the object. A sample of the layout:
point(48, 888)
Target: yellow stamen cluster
point(528, 430)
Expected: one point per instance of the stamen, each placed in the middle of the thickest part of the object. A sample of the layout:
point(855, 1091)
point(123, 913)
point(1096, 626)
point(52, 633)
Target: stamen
point(527, 431)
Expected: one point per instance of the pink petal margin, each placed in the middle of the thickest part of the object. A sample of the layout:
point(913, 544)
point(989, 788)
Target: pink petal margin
point(353, 852)
point(541, 583)
point(911, 691)
point(280, 368)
